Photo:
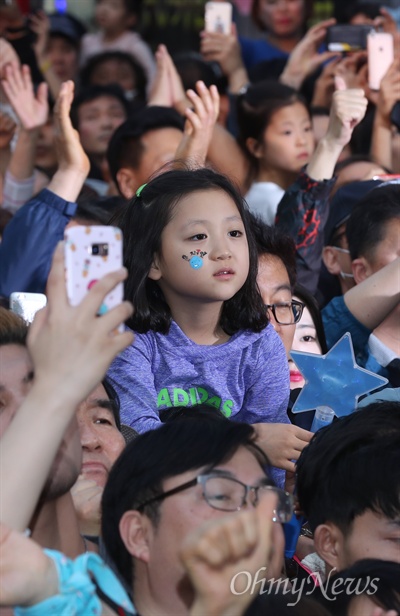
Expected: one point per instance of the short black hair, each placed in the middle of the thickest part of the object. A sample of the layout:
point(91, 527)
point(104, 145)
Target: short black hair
point(114, 400)
point(380, 580)
point(172, 449)
point(142, 223)
point(272, 241)
point(88, 94)
point(351, 467)
point(367, 224)
point(125, 148)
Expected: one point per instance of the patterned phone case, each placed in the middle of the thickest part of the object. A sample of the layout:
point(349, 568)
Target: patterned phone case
point(85, 264)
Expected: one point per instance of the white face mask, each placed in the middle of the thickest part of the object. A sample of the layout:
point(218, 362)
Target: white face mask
point(343, 275)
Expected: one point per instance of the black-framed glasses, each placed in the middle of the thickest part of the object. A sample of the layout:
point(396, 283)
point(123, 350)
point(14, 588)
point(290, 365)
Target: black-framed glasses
point(286, 313)
point(229, 494)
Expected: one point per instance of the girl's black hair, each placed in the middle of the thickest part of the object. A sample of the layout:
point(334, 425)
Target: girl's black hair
point(255, 108)
point(142, 222)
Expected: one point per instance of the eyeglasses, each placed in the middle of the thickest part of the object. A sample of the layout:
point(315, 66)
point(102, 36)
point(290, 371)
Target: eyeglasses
point(230, 494)
point(286, 313)
point(345, 251)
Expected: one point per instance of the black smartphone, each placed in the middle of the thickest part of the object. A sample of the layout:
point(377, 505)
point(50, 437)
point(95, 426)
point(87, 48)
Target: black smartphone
point(344, 37)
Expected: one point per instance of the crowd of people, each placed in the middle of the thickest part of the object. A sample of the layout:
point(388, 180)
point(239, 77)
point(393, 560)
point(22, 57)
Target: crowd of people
point(152, 459)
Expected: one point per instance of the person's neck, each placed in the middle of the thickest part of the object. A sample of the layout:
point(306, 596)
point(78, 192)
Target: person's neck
point(286, 44)
point(200, 322)
point(346, 284)
point(388, 332)
point(111, 36)
point(284, 179)
point(55, 526)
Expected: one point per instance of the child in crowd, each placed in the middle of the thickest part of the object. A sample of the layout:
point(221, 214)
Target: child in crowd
point(202, 332)
point(276, 136)
point(116, 20)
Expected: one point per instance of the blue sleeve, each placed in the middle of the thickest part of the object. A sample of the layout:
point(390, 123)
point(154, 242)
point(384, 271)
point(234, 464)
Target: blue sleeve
point(131, 373)
point(338, 320)
point(29, 241)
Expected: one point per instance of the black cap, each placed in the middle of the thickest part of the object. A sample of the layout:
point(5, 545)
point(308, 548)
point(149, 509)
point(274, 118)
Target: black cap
point(342, 205)
point(68, 26)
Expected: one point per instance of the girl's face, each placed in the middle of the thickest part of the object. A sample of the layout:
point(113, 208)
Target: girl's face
point(282, 18)
point(111, 15)
point(288, 140)
point(209, 222)
point(305, 340)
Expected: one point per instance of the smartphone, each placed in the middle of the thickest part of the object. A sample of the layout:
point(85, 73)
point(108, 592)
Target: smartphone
point(90, 253)
point(27, 304)
point(380, 57)
point(218, 17)
point(344, 37)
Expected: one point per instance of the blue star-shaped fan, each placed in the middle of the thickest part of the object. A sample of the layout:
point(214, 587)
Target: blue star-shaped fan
point(333, 379)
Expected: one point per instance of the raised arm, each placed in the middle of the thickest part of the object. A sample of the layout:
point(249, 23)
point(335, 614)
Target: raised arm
point(372, 300)
point(303, 210)
point(71, 349)
point(388, 96)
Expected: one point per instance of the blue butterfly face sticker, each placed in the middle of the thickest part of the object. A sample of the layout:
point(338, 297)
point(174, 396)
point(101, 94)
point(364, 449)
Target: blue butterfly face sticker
point(196, 258)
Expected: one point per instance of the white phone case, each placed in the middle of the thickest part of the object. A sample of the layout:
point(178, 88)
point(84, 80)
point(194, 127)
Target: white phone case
point(218, 17)
point(85, 264)
point(380, 57)
point(27, 304)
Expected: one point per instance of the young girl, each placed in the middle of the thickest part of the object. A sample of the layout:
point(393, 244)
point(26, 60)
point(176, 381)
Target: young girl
point(275, 134)
point(202, 333)
point(116, 20)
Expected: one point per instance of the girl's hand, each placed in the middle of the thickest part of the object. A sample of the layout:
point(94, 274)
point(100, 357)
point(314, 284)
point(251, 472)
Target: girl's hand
point(7, 130)
point(70, 346)
point(348, 109)
point(224, 547)
point(305, 59)
point(31, 110)
point(282, 443)
point(27, 575)
point(199, 126)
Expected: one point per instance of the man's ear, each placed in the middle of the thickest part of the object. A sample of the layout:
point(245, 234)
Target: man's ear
point(329, 257)
point(155, 272)
point(328, 541)
point(254, 147)
point(361, 269)
point(135, 530)
point(127, 182)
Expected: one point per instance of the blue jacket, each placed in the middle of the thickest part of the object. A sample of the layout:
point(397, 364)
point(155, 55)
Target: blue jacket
point(29, 241)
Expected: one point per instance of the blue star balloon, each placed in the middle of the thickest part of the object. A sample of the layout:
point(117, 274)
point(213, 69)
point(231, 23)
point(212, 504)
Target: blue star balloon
point(333, 379)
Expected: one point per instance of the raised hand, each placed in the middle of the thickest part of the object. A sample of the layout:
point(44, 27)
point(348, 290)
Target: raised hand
point(305, 59)
point(39, 23)
point(69, 345)
point(347, 110)
point(32, 110)
point(200, 122)
point(70, 153)
point(86, 495)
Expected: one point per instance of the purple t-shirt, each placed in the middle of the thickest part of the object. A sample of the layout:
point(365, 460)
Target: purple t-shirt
point(247, 378)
